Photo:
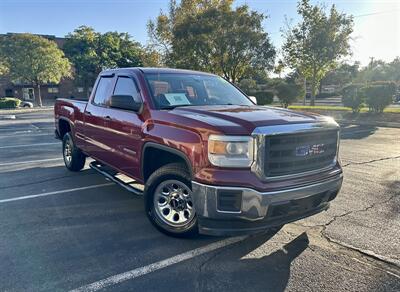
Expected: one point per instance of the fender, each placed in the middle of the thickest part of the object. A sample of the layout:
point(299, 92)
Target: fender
point(167, 149)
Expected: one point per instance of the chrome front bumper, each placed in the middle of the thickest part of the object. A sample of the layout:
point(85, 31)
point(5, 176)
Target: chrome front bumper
point(257, 209)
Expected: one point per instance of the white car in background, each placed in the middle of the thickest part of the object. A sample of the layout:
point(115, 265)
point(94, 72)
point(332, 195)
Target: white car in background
point(26, 104)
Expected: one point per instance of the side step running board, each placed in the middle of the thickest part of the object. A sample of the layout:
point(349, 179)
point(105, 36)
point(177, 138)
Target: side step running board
point(130, 185)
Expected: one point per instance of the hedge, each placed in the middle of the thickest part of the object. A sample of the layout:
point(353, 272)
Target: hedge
point(352, 98)
point(9, 102)
point(264, 97)
point(378, 97)
point(288, 93)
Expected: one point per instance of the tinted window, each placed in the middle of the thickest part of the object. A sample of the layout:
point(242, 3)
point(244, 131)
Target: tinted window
point(102, 91)
point(126, 86)
point(184, 89)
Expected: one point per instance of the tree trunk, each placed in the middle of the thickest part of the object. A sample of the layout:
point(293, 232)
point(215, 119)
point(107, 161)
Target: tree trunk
point(313, 87)
point(305, 91)
point(39, 96)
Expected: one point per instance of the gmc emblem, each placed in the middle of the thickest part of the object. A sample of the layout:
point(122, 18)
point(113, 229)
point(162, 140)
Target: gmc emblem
point(309, 150)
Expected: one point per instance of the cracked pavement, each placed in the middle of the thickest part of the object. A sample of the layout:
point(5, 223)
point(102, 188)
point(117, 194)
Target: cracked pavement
point(61, 242)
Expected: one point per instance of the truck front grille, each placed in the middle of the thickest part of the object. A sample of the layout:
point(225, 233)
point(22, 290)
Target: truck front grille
point(291, 154)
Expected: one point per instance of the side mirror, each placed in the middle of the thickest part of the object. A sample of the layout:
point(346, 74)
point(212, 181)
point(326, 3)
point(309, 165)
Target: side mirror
point(125, 102)
point(253, 99)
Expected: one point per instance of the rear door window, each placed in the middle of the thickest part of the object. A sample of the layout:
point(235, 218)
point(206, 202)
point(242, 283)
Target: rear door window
point(126, 86)
point(102, 91)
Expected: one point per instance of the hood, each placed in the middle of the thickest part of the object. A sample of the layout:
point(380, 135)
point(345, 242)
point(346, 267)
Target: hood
point(228, 118)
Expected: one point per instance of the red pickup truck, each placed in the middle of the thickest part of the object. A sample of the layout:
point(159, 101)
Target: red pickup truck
point(204, 156)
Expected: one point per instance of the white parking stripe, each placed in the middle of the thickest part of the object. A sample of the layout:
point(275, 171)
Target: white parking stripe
point(54, 193)
point(26, 134)
point(113, 280)
point(30, 161)
point(29, 145)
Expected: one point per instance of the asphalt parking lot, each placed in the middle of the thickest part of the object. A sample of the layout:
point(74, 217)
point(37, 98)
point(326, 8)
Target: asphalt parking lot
point(62, 231)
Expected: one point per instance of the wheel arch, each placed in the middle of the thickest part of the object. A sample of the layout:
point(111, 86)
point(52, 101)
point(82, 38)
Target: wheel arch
point(167, 155)
point(64, 126)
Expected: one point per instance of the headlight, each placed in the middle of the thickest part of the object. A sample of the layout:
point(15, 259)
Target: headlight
point(230, 151)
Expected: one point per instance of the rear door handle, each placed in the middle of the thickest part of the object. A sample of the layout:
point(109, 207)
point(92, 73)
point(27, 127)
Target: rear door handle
point(108, 118)
point(88, 113)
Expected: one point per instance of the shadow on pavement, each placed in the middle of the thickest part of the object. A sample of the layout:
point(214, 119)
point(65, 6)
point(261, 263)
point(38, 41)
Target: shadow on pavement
point(356, 131)
point(270, 272)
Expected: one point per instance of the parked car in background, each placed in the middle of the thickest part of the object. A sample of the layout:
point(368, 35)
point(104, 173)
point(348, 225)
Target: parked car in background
point(26, 104)
point(210, 159)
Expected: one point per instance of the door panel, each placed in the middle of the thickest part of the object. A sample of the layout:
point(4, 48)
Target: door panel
point(124, 140)
point(94, 131)
point(124, 131)
point(94, 117)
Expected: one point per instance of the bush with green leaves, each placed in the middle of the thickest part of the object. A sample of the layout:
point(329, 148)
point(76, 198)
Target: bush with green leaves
point(379, 96)
point(264, 97)
point(288, 93)
point(352, 97)
point(9, 102)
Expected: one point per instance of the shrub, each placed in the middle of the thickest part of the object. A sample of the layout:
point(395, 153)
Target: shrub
point(378, 97)
point(9, 102)
point(288, 93)
point(352, 97)
point(264, 97)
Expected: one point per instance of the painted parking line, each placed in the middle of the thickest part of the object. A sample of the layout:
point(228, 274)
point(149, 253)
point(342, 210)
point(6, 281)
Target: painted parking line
point(54, 193)
point(29, 145)
point(135, 273)
point(30, 161)
point(26, 134)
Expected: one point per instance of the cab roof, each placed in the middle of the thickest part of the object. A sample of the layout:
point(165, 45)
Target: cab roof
point(155, 70)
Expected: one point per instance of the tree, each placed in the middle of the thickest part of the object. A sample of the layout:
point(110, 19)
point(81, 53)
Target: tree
point(279, 68)
point(80, 47)
point(3, 68)
point(35, 60)
point(379, 70)
point(344, 74)
point(210, 35)
point(248, 85)
point(314, 46)
point(151, 58)
point(91, 52)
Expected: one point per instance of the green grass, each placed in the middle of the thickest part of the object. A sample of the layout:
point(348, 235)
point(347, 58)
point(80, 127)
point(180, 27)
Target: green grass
point(337, 108)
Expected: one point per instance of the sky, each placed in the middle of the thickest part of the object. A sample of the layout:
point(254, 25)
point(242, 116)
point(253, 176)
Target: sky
point(376, 22)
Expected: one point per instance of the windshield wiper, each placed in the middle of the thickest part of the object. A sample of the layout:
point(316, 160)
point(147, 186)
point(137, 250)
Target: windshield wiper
point(174, 106)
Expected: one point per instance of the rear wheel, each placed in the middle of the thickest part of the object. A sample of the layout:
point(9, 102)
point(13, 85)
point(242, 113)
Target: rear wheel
point(168, 201)
point(74, 159)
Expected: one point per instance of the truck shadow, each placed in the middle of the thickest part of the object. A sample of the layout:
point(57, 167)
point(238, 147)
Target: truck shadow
point(356, 131)
point(251, 273)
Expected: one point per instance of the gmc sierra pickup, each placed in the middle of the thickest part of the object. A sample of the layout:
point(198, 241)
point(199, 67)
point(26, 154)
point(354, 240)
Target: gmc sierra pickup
point(204, 156)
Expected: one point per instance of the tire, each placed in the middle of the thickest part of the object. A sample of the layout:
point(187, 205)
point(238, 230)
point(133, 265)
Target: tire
point(74, 159)
point(168, 201)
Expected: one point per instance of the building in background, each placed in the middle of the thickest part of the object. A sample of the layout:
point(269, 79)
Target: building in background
point(66, 88)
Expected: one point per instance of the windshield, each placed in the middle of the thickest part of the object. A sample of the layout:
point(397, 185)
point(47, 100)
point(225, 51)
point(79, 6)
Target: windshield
point(170, 90)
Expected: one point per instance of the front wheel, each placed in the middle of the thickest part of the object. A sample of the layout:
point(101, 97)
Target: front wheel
point(74, 159)
point(168, 201)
